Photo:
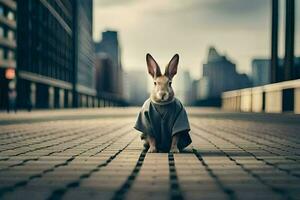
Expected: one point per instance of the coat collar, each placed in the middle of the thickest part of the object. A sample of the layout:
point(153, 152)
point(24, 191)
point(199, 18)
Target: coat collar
point(162, 103)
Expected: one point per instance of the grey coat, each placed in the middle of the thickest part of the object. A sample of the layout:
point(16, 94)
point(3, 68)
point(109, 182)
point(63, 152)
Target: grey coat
point(164, 121)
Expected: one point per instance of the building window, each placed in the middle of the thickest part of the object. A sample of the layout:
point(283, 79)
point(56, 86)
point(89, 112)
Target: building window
point(1, 10)
point(11, 55)
point(10, 35)
point(10, 15)
point(5, 54)
point(1, 54)
point(1, 32)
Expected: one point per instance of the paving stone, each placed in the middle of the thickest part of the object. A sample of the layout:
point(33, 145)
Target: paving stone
point(100, 156)
point(89, 194)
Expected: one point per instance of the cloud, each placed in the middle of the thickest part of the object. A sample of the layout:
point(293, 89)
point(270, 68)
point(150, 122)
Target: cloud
point(235, 7)
point(239, 28)
point(218, 13)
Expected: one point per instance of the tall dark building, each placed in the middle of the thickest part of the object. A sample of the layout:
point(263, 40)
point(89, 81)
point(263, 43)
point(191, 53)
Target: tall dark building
point(45, 53)
point(55, 53)
point(84, 84)
point(221, 74)
point(109, 45)
point(8, 27)
point(106, 81)
point(104, 74)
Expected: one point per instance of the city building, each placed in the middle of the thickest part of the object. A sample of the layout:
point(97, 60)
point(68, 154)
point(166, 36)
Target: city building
point(261, 73)
point(137, 81)
point(104, 74)
point(55, 54)
point(182, 85)
point(8, 28)
point(261, 70)
point(111, 47)
point(105, 81)
point(221, 74)
point(195, 91)
point(203, 88)
point(200, 92)
point(84, 79)
point(126, 85)
point(297, 67)
point(45, 40)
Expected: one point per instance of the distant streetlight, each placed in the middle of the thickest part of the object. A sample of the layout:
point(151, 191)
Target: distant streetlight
point(10, 73)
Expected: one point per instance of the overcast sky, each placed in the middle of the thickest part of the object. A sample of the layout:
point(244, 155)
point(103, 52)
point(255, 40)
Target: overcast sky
point(238, 28)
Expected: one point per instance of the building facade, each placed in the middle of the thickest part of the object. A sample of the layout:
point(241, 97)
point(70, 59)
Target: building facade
point(261, 71)
point(105, 81)
point(182, 86)
point(104, 74)
point(8, 27)
point(55, 54)
point(45, 53)
point(137, 87)
point(203, 88)
point(84, 83)
point(221, 74)
point(109, 45)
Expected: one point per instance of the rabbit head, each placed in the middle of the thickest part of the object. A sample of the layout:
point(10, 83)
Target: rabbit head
point(162, 91)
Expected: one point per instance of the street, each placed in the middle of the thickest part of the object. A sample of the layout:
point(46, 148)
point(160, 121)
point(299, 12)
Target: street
point(96, 154)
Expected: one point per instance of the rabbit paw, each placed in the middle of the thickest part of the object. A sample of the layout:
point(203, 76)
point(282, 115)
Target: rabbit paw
point(152, 149)
point(174, 150)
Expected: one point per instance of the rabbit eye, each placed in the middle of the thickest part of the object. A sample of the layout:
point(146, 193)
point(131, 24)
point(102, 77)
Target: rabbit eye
point(154, 83)
point(170, 83)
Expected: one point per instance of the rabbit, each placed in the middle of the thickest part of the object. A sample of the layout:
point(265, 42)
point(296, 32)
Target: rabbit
point(163, 120)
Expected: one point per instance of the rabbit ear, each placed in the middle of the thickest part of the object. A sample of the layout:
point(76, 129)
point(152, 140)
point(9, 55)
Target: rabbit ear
point(153, 67)
point(171, 69)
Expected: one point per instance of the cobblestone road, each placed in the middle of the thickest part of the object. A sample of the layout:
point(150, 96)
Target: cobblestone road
point(96, 154)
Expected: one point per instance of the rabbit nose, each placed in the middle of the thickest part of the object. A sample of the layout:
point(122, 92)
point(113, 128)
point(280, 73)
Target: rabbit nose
point(162, 95)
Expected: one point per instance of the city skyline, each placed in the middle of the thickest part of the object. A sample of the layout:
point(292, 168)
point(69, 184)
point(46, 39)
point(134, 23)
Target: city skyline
point(240, 29)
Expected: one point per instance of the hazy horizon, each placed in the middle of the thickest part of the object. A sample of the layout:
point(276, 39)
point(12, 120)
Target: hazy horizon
point(240, 29)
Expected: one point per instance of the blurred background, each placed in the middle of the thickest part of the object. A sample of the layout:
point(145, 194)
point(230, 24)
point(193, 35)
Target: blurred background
point(85, 53)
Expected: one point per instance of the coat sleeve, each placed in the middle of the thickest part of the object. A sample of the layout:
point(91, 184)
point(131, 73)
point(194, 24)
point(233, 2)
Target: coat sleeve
point(143, 123)
point(181, 122)
point(182, 127)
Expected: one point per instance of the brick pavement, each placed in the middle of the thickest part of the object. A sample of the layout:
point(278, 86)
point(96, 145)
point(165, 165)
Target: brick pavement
point(96, 154)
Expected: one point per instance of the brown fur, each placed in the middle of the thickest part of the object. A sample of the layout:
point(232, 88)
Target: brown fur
point(162, 84)
point(162, 92)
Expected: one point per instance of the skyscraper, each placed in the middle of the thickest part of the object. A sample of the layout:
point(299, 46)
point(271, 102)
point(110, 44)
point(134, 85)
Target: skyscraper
point(110, 46)
point(84, 78)
point(45, 53)
point(8, 27)
point(221, 74)
point(55, 53)
point(104, 74)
